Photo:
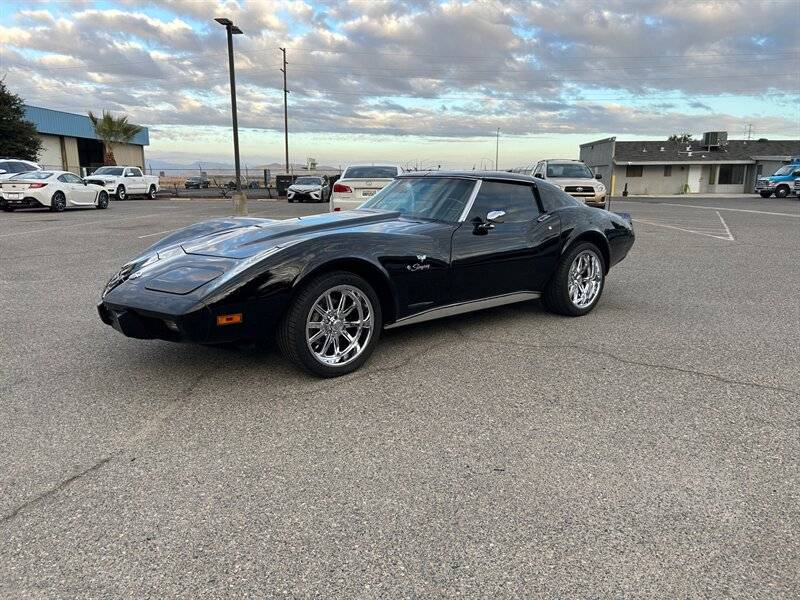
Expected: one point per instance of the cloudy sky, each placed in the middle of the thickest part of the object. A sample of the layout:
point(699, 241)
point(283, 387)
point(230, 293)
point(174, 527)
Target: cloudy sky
point(413, 80)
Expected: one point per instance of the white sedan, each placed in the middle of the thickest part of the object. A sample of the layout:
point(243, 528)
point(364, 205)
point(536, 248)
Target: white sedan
point(359, 183)
point(55, 190)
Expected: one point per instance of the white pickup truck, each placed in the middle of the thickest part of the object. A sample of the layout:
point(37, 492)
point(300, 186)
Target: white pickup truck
point(125, 181)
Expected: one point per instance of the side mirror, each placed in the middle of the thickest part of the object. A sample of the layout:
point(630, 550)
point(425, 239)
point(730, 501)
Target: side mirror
point(85, 182)
point(539, 176)
point(492, 218)
point(598, 176)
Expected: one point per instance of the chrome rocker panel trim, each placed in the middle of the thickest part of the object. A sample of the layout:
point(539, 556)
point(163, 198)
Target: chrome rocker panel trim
point(464, 307)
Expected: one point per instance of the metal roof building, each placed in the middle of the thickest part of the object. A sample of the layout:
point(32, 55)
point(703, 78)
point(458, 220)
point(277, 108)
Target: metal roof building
point(70, 143)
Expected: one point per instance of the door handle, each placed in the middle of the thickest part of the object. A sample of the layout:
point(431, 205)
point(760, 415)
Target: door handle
point(544, 217)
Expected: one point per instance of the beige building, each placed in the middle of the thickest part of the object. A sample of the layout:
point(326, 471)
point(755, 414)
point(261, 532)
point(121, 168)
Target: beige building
point(712, 165)
point(70, 144)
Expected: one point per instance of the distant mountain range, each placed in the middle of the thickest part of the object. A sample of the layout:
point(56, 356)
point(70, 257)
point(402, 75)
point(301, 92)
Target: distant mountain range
point(171, 168)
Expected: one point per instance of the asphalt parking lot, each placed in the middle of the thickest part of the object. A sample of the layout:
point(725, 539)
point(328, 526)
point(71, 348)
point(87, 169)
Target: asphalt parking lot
point(651, 448)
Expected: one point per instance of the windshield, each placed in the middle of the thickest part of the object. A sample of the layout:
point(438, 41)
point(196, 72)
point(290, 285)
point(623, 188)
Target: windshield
point(437, 198)
point(108, 171)
point(308, 181)
point(33, 175)
point(571, 170)
point(787, 170)
point(370, 173)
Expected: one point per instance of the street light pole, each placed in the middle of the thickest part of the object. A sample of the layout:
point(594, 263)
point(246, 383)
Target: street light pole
point(239, 198)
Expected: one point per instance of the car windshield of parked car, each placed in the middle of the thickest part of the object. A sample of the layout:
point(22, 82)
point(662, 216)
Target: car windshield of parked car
point(787, 170)
point(436, 198)
point(308, 181)
point(568, 170)
point(116, 171)
point(370, 172)
point(33, 175)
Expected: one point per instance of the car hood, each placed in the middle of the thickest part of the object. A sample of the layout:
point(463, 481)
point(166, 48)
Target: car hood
point(305, 188)
point(254, 237)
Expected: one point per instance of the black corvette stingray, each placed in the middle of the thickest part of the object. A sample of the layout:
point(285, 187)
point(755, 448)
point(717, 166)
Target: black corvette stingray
point(426, 246)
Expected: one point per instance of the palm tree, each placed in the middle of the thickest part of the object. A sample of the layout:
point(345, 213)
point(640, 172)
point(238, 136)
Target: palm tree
point(112, 130)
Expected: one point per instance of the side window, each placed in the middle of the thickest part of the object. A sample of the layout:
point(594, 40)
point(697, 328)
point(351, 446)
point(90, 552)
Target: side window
point(136, 172)
point(553, 198)
point(17, 167)
point(128, 173)
point(517, 200)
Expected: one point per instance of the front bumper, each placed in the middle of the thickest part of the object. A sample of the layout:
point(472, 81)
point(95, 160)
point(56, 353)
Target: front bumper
point(303, 196)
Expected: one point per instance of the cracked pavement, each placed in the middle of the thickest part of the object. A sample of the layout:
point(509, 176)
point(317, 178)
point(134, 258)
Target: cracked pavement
point(650, 448)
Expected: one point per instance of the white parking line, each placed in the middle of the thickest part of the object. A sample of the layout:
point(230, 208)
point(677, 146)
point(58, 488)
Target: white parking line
point(728, 236)
point(92, 222)
point(744, 210)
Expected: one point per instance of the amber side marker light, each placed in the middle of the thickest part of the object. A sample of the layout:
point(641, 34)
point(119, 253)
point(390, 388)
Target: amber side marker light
point(229, 319)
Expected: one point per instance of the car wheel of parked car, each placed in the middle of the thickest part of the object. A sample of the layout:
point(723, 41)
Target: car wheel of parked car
point(121, 193)
point(577, 284)
point(102, 200)
point(152, 193)
point(8, 209)
point(58, 202)
point(765, 194)
point(782, 192)
point(332, 325)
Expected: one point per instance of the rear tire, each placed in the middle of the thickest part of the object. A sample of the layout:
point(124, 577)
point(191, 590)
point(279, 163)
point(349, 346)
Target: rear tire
point(782, 192)
point(313, 338)
point(58, 202)
point(152, 193)
point(765, 194)
point(121, 193)
point(577, 284)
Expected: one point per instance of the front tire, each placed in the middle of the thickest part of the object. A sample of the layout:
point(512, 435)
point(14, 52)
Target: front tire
point(102, 200)
point(782, 192)
point(577, 283)
point(58, 202)
point(332, 325)
point(121, 193)
point(152, 193)
point(765, 194)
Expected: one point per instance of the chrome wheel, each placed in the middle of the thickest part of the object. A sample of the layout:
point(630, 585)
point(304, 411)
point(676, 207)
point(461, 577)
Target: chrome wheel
point(339, 325)
point(585, 279)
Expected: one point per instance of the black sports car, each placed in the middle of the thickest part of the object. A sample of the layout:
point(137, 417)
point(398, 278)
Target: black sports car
point(426, 246)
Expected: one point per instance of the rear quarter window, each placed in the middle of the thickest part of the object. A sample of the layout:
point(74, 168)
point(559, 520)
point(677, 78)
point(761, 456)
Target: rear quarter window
point(554, 198)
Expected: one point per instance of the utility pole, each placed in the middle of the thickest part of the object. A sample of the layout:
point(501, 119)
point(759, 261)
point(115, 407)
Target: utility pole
point(285, 112)
point(239, 198)
point(497, 150)
point(749, 131)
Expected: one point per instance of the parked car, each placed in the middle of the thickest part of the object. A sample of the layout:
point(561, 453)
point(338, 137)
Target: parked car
point(55, 190)
point(196, 183)
point(123, 182)
point(426, 246)
point(14, 166)
point(309, 189)
point(575, 178)
point(781, 182)
point(359, 182)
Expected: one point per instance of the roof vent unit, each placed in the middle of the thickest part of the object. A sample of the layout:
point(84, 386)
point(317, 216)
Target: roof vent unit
point(715, 139)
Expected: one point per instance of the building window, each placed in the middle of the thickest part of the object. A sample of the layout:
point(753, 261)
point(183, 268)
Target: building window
point(633, 171)
point(667, 170)
point(731, 175)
